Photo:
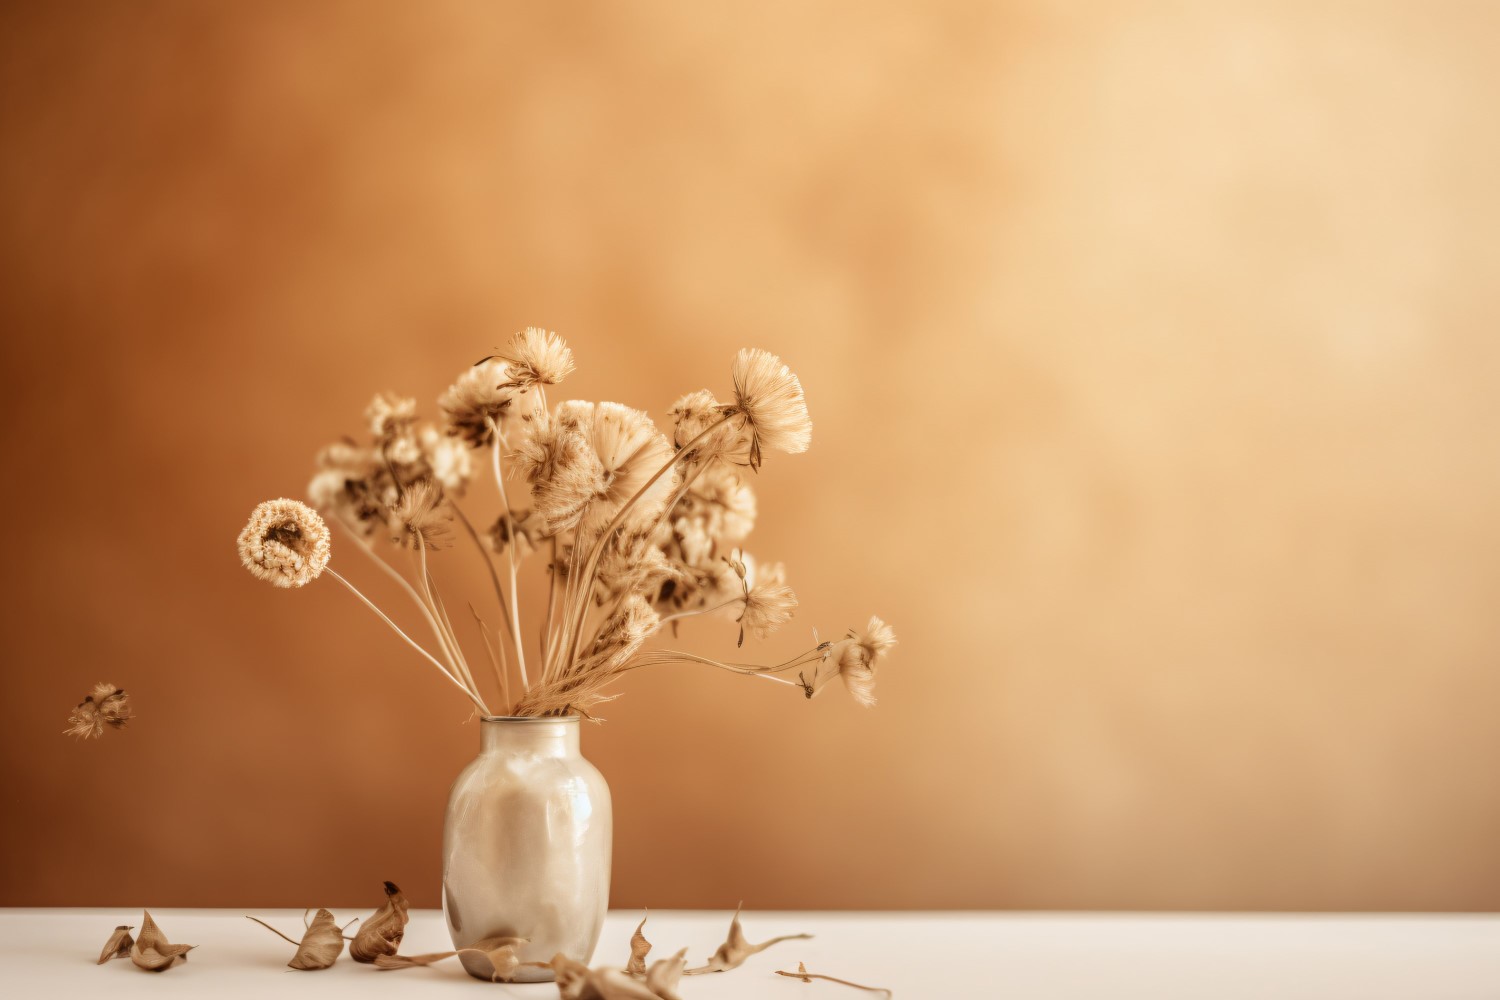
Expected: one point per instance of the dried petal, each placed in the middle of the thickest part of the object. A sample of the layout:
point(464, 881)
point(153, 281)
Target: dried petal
point(118, 945)
point(382, 933)
point(153, 952)
point(663, 976)
point(733, 952)
point(500, 954)
point(639, 949)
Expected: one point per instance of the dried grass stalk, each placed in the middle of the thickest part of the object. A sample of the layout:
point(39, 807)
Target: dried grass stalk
point(808, 977)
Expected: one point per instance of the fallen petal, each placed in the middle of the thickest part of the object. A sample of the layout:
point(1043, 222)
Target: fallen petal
point(733, 952)
point(153, 952)
point(118, 945)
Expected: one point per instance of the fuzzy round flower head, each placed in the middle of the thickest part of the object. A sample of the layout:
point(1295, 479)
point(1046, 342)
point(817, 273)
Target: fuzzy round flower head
point(697, 412)
point(631, 450)
point(538, 357)
point(565, 474)
point(721, 502)
point(769, 602)
point(857, 656)
point(418, 519)
point(285, 543)
point(770, 397)
point(485, 393)
point(389, 414)
point(624, 632)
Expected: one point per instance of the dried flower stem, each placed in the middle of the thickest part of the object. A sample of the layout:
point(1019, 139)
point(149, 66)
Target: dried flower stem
point(409, 640)
point(510, 554)
point(808, 977)
point(394, 574)
point(437, 601)
point(497, 657)
point(273, 930)
point(615, 522)
point(551, 606)
point(489, 563)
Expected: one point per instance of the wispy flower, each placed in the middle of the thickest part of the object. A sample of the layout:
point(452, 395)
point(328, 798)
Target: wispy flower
point(857, 656)
point(485, 393)
point(769, 602)
point(770, 397)
point(538, 357)
point(389, 414)
point(419, 520)
point(105, 706)
point(631, 450)
point(285, 543)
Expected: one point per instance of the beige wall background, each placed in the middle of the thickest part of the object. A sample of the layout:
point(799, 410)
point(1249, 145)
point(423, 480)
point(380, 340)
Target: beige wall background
point(1153, 361)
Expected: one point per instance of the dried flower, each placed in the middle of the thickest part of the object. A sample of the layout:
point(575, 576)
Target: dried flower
point(624, 632)
point(538, 356)
point(769, 603)
point(735, 949)
point(564, 471)
point(382, 933)
point(856, 657)
point(153, 952)
point(484, 394)
point(639, 949)
point(285, 543)
point(770, 397)
point(630, 450)
point(106, 705)
point(118, 945)
point(322, 941)
point(697, 412)
point(722, 502)
point(449, 461)
point(418, 520)
point(389, 414)
point(528, 529)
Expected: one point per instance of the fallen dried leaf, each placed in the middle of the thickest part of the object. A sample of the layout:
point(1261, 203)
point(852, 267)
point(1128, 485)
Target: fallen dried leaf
point(393, 962)
point(663, 976)
point(382, 933)
point(322, 942)
point(118, 945)
point(498, 952)
point(639, 949)
point(808, 977)
point(153, 952)
point(733, 952)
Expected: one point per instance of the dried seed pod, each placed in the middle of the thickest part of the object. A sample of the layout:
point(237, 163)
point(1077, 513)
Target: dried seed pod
point(733, 952)
point(639, 949)
point(118, 945)
point(663, 976)
point(322, 942)
point(382, 933)
point(153, 952)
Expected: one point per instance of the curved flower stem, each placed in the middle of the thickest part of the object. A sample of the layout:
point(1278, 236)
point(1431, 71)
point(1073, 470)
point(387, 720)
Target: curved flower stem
point(478, 702)
point(437, 603)
point(553, 572)
point(587, 581)
point(394, 574)
point(700, 611)
point(448, 645)
point(510, 552)
point(489, 563)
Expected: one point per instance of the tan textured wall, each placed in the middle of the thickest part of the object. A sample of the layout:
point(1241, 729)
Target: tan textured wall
point(1152, 352)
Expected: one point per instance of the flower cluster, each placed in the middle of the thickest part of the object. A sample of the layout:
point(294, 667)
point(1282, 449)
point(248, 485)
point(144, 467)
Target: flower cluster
point(636, 529)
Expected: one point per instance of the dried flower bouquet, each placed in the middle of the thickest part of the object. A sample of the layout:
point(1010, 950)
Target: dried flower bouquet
point(634, 530)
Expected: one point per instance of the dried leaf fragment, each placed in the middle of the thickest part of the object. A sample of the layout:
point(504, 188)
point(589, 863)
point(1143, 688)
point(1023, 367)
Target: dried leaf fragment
point(393, 962)
point(153, 952)
point(639, 949)
point(382, 933)
point(106, 705)
point(733, 952)
point(322, 942)
point(663, 976)
point(118, 945)
point(498, 952)
point(808, 977)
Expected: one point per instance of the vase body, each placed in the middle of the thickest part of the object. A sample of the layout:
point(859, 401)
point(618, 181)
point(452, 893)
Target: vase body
point(526, 845)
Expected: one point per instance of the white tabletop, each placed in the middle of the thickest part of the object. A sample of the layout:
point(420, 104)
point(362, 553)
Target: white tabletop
point(943, 956)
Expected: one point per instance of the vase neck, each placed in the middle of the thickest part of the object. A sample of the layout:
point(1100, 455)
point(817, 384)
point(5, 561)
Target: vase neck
point(542, 737)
